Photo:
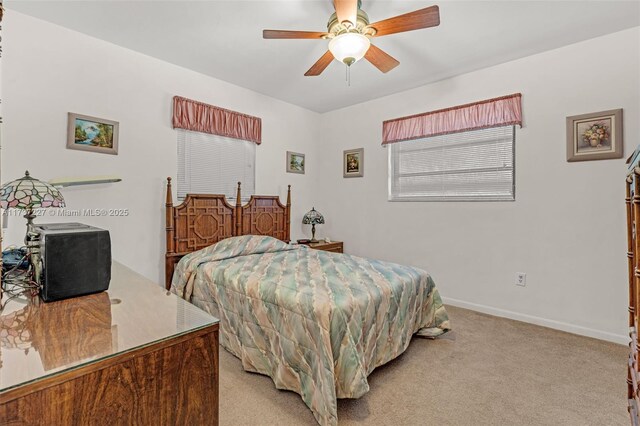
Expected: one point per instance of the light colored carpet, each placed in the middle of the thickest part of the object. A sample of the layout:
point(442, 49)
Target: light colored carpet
point(488, 371)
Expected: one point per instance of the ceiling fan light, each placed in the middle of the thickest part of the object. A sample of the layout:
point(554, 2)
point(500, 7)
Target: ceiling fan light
point(349, 47)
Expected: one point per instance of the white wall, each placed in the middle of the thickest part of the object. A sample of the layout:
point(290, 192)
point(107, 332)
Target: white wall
point(566, 229)
point(49, 71)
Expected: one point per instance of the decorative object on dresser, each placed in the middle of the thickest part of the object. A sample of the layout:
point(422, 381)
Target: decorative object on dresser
point(28, 194)
point(86, 133)
point(135, 354)
point(295, 162)
point(332, 246)
point(204, 219)
point(595, 136)
point(313, 218)
point(353, 163)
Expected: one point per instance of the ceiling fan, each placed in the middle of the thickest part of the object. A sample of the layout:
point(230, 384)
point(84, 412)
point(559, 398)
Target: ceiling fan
point(349, 33)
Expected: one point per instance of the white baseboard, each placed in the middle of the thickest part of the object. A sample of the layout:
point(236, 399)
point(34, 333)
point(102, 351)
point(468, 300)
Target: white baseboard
point(557, 325)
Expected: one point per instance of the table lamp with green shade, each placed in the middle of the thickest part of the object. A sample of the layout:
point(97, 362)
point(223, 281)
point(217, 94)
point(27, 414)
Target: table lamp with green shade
point(313, 218)
point(28, 194)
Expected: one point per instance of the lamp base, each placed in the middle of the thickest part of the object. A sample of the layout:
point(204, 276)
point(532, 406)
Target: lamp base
point(32, 242)
point(30, 228)
point(313, 241)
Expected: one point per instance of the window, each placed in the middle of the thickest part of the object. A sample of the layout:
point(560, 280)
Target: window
point(211, 164)
point(475, 165)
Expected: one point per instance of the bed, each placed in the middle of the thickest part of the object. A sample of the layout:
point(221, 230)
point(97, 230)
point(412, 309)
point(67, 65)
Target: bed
point(318, 323)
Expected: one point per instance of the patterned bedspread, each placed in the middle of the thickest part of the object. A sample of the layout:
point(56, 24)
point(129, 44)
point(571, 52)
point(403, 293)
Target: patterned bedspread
point(317, 323)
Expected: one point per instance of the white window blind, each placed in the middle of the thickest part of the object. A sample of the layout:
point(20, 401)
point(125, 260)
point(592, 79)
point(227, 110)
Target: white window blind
point(210, 164)
point(467, 166)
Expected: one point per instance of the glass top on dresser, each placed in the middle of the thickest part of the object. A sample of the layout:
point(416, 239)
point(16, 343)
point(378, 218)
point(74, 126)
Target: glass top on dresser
point(39, 339)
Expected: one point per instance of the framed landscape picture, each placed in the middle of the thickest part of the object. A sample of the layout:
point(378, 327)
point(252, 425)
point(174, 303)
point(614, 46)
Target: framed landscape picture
point(295, 162)
point(353, 163)
point(595, 136)
point(94, 134)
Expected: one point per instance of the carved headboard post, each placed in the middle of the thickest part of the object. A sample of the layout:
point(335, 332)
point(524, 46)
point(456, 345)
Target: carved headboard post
point(170, 226)
point(288, 215)
point(238, 211)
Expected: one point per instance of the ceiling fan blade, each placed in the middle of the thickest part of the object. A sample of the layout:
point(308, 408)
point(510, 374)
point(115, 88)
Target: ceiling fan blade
point(423, 18)
point(320, 66)
point(347, 10)
point(292, 34)
point(380, 59)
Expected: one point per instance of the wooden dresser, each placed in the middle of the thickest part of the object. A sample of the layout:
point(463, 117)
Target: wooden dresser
point(334, 246)
point(135, 354)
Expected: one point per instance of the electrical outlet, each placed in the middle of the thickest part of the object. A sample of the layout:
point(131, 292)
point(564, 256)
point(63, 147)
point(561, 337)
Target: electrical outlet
point(521, 279)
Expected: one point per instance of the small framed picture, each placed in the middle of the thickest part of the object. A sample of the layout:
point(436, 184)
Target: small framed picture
point(93, 134)
point(353, 163)
point(295, 162)
point(595, 136)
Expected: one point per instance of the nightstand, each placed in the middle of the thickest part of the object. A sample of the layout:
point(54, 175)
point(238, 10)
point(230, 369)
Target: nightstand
point(333, 246)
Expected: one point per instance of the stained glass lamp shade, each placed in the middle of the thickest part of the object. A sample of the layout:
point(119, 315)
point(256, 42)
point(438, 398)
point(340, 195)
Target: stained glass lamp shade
point(313, 218)
point(28, 194)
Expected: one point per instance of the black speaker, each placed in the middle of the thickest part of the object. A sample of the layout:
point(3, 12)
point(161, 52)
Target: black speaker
point(76, 260)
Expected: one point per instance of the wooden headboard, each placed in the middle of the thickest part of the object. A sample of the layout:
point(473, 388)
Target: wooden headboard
point(204, 219)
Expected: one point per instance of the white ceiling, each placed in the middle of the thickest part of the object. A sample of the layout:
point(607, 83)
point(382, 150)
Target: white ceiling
point(223, 39)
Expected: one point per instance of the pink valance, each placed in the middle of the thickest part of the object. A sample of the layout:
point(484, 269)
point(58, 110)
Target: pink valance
point(496, 112)
point(200, 117)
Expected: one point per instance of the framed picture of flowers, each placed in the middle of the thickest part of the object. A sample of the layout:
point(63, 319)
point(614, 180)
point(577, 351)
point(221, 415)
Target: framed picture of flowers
point(595, 136)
